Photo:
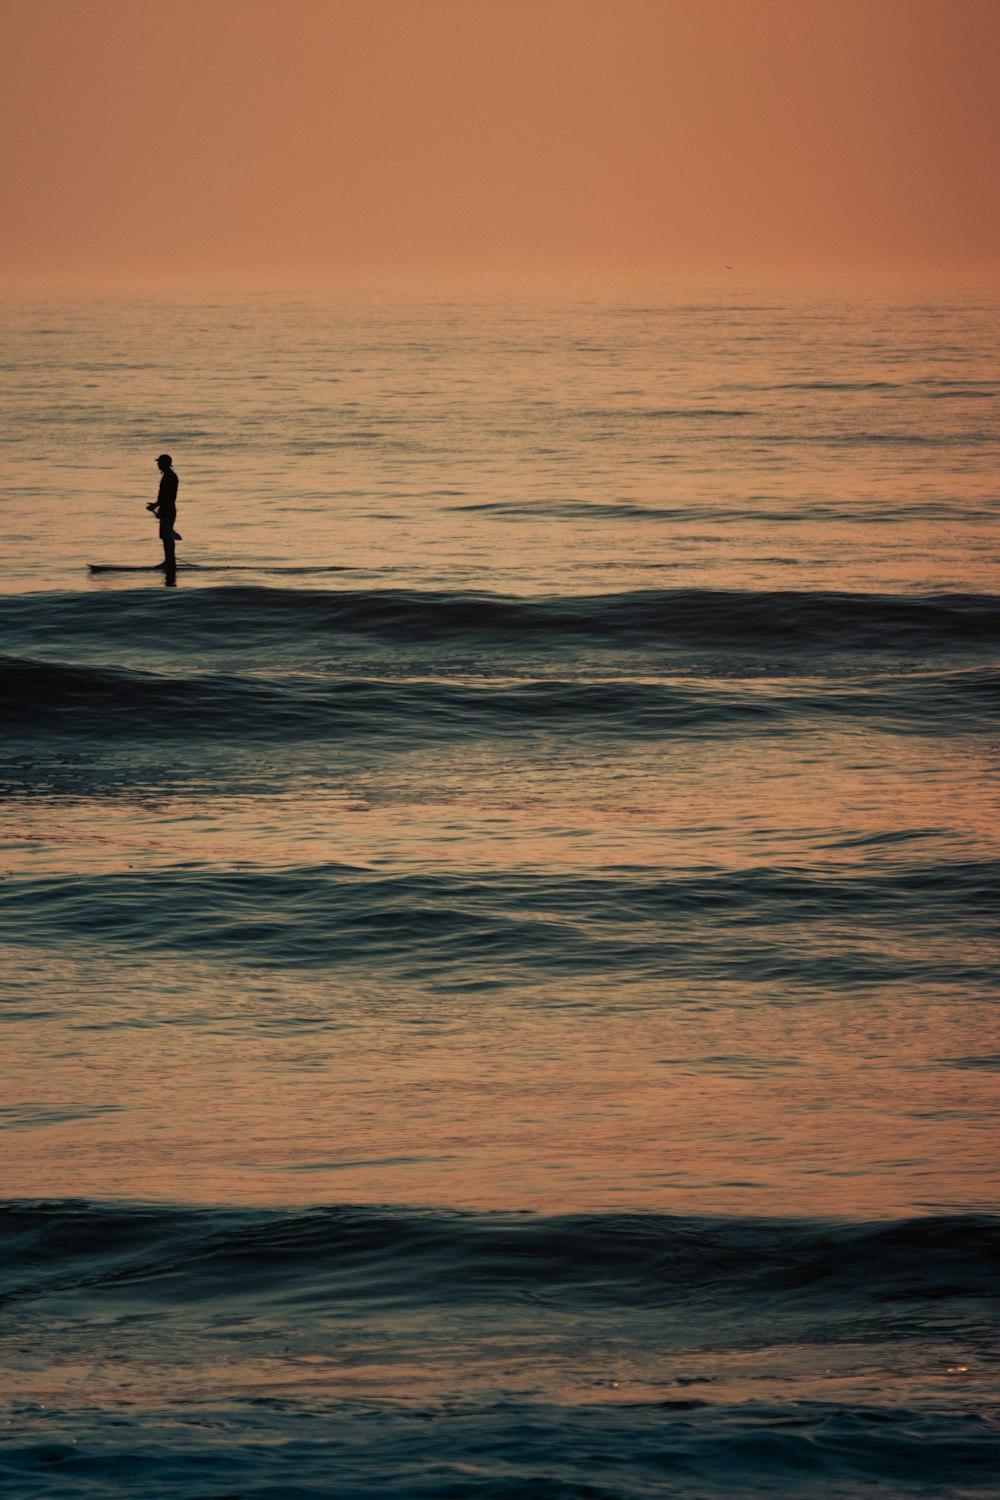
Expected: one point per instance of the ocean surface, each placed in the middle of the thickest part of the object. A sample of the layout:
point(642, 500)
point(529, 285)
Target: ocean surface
point(499, 956)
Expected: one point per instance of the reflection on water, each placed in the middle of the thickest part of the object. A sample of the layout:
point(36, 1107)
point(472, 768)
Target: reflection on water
point(686, 1094)
point(845, 439)
point(557, 801)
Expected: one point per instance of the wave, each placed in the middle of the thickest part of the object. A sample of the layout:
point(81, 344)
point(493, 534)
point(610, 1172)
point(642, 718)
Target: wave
point(660, 413)
point(837, 385)
point(248, 616)
point(464, 1446)
point(50, 699)
point(647, 1260)
point(935, 386)
point(379, 1352)
point(595, 510)
point(758, 925)
point(860, 514)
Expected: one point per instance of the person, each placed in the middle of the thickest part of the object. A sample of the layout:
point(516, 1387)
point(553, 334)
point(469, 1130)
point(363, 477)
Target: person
point(164, 507)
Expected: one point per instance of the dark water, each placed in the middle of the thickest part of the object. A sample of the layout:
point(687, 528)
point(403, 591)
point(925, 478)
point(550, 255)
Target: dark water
point(621, 1355)
point(499, 962)
point(597, 1351)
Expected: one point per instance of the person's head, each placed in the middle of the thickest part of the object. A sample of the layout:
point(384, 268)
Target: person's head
point(163, 462)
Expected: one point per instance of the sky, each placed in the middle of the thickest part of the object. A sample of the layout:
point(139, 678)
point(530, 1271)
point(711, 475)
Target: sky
point(284, 139)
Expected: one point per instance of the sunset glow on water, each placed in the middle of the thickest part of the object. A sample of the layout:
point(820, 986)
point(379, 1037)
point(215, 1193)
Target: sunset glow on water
point(499, 951)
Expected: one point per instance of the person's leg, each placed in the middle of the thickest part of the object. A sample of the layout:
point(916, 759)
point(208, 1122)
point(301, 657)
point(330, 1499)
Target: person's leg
point(169, 555)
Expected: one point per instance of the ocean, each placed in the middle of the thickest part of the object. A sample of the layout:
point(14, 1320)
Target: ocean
point(499, 955)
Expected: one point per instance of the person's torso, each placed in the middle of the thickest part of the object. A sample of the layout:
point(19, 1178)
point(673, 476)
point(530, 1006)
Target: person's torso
point(166, 499)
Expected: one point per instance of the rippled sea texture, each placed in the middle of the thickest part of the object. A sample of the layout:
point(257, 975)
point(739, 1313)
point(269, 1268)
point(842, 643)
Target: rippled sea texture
point(499, 960)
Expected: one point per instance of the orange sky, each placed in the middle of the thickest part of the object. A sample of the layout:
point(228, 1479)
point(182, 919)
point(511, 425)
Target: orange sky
point(284, 138)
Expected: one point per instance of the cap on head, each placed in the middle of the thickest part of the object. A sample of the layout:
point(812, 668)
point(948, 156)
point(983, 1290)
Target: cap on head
point(165, 458)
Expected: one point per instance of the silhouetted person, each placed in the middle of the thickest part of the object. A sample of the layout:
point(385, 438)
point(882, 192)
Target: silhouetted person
point(164, 507)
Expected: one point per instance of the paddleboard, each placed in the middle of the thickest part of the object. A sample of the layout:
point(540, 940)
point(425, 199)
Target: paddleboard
point(190, 567)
